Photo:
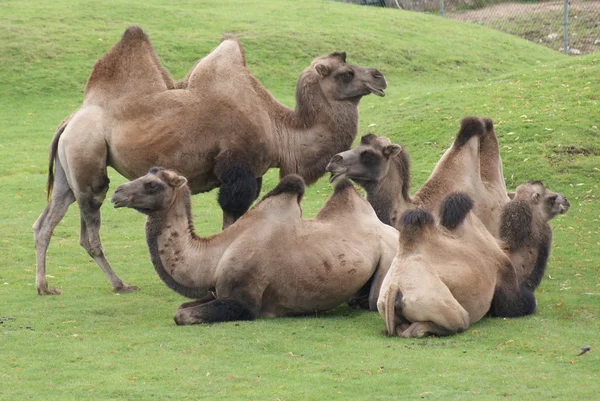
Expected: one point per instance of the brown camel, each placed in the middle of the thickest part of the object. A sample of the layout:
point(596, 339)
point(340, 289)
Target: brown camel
point(218, 128)
point(525, 234)
point(271, 262)
point(471, 165)
point(446, 277)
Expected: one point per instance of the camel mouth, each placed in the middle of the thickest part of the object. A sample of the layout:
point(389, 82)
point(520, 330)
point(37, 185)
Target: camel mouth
point(119, 203)
point(336, 175)
point(563, 209)
point(374, 90)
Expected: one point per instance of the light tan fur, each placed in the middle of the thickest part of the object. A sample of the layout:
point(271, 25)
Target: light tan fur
point(271, 261)
point(443, 280)
point(215, 123)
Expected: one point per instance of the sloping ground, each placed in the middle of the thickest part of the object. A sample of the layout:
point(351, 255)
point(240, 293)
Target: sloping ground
point(542, 22)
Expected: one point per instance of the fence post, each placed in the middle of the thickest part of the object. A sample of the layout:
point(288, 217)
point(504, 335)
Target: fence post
point(566, 27)
point(442, 8)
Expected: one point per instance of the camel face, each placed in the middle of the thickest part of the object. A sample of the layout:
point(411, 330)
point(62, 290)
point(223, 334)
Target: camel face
point(154, 191)
point(341, 81)
point(369, 161)
point(550, 203)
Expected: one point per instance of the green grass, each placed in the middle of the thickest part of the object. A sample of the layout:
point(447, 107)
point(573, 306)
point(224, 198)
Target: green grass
point(89, 343)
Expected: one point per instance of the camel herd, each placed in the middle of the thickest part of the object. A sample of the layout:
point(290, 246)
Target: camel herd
point(462, 247)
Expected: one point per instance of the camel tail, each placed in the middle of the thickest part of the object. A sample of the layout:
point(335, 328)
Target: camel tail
point(392, 301)
point(52, 157)
point(470, 127)
point(413, 224)
point(454, 209)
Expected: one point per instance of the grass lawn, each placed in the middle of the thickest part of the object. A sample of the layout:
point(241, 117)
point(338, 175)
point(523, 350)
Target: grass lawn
point(90, 343)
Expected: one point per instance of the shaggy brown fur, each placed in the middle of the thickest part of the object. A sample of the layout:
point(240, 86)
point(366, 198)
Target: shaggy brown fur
point(471, 165)
point(525, 233)
point(221, 128)
point(271, 262)
point(446, 277)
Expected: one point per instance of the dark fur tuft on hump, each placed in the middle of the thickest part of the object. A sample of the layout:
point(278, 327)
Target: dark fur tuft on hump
point(416, 219)
point(342, 185)
point(291, 184)
point(134, 32)
point(469, 127)
point(454, 209)
point(489, 124)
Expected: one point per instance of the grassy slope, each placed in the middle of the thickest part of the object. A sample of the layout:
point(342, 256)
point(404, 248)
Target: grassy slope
point(91, 343)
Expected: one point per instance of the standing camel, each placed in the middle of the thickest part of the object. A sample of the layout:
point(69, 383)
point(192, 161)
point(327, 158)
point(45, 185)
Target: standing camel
point(218, 128)
point(271, 262)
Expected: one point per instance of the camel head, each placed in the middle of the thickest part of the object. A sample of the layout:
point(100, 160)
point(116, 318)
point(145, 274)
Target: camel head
point(549, 203)
point(153, 192)
point(341, 81)
point(368, 162)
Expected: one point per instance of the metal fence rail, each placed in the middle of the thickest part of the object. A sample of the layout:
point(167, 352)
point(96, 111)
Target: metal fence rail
point(569, 26)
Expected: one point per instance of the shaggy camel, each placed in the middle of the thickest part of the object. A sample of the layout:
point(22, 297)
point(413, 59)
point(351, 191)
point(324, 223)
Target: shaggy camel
point(218, 128)
point(271, 262)
point(525, 234)
point(471, 165)
point(446, 277)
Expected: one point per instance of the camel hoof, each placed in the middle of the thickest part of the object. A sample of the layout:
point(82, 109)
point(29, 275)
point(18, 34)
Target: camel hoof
point(126, 288)
point(48, 291)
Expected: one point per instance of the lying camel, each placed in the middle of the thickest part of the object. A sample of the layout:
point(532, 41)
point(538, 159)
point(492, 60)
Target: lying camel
point(271, 262)
point(471, 165)
point(219, 128)
point(446, 277)
point(525, 234)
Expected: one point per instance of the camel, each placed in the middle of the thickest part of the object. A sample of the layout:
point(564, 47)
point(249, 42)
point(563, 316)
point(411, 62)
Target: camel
point(471, 165)
point(270, 262)
point(449, 275)
point(525, 235)
point(219, 127)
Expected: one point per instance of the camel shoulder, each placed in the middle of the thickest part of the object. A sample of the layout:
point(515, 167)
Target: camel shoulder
point(130, 66)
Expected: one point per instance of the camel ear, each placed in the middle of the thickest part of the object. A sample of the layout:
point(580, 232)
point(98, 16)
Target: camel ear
point(535, 198)
point(178, 181)
point(322, 70)
point(392, 150)
point(511, 195)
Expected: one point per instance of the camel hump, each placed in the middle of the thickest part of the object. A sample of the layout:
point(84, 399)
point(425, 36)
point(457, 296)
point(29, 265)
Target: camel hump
point(343, 185)
point(130, 66)
point(290, 184)
point(454, 209)
point(470, 127)
point(225, 61)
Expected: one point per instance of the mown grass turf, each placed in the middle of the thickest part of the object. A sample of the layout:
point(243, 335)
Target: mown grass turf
point(89, 343)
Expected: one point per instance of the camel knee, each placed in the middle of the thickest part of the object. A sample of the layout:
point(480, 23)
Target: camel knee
point(219, 310)
point(239, 188)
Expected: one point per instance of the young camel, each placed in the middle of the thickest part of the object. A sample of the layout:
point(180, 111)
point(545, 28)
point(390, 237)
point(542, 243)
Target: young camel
point(525, 235)
point(471, 165)
point(446, 277)
point(271, 262)
point(219, 128)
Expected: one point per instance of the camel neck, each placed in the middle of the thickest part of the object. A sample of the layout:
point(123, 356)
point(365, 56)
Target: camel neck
point(389, 196)
point(309, 141)
point(182, 260)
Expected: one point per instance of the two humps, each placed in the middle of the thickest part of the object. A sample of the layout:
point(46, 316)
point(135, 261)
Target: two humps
point(467, 247)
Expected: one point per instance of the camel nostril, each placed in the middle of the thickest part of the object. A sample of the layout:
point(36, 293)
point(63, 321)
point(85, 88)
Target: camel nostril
point(336, 159)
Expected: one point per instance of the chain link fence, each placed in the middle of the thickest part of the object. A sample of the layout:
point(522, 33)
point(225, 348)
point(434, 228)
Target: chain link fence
point(572, 27)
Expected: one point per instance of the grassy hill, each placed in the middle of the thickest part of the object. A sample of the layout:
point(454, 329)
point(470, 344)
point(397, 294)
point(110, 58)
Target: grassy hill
point(89, 343)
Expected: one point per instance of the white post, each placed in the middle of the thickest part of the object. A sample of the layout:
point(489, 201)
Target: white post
point(566, 27)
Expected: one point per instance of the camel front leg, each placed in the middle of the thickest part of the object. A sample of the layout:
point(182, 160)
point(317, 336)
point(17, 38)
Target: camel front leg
point(218, 310)
point(90, 240)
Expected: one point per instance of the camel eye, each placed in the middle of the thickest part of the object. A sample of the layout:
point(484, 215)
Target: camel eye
point(552, 200)
point(368, 157)
point(347, 76)
point(152, 186)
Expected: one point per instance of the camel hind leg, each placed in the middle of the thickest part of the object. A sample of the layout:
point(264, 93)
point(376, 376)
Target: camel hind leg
point(62, 198)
